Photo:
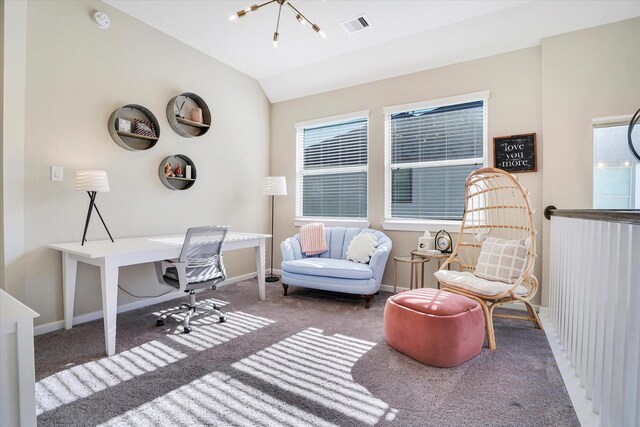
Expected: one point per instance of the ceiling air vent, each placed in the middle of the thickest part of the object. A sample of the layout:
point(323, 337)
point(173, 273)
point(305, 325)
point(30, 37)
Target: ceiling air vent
point(356, 24)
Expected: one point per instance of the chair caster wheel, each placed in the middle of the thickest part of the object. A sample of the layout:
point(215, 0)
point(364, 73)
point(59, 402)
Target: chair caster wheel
point(187, 329)
point(159, 322)
point(214, 287)
point(216, 307)
point(222, 319)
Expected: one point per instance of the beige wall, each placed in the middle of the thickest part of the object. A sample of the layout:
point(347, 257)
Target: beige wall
point(585, 75)
point(77, 75)
point(514, 107)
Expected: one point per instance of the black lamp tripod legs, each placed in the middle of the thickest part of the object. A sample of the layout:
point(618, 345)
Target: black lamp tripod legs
point(92, 196)
point(92, 205)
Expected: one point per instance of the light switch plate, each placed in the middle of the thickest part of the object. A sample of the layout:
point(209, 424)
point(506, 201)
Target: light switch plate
point(57, 173)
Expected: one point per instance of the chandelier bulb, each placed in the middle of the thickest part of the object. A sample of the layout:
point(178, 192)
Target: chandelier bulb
point(275, 39)
point(300, 19)
point(318, 30)
point(233, 18)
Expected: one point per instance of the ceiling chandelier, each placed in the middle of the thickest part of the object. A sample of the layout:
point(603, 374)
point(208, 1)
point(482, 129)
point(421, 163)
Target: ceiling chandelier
point(299, 17)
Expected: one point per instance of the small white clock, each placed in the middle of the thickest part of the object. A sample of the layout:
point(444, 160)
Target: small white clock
point(443, 242)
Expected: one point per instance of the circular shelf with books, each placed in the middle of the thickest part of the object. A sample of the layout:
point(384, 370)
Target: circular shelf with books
point(177, 172)
point(134, 128)
point(188, 115)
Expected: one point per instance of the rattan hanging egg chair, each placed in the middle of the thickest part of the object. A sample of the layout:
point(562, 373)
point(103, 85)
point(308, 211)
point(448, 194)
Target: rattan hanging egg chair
point(497, 230)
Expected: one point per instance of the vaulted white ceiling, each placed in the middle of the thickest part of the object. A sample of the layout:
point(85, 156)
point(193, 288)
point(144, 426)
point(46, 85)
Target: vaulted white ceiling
point(404, 37)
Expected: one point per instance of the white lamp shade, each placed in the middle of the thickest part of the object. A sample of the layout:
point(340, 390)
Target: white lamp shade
point(92, 181)
point(274, 186)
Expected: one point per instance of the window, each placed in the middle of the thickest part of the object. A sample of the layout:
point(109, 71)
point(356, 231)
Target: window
point(616, 173)
point(332, 167)
point(431, 148)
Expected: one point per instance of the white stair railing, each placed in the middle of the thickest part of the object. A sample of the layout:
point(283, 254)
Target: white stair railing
point(594, 304)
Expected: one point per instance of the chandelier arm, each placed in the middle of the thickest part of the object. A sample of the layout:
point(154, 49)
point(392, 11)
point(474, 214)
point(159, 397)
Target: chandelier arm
point(299, 13)
point(266, 3)
point(279, 12)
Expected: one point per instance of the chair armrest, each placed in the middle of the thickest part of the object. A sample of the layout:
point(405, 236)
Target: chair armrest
point(181, 268)
point(378, 261)
point(290, 249)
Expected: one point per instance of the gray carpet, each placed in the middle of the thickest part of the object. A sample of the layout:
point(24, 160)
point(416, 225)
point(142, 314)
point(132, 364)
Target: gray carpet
point(306, 359)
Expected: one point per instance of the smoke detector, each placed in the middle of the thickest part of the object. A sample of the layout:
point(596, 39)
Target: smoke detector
point(101, 19)
point(356, 24)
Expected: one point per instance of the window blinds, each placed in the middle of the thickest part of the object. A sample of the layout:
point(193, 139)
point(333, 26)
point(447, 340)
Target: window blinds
point(332, 170)
point(432, 151)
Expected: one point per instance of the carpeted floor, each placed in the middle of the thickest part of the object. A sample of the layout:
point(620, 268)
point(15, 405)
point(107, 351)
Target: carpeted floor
point(306, 359)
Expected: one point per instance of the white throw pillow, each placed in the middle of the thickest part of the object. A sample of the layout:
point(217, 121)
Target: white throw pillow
point(362, 247)
point(502, 260)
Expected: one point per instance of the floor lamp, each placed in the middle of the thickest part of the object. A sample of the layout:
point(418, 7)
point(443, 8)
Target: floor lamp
point(273, 186)
point(93, 182)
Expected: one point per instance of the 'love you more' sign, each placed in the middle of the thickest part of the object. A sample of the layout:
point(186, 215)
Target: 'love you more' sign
point(516, 153)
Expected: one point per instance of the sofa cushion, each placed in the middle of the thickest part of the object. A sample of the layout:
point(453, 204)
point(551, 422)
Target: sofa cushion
point(362, 247)
point(469, 282)
point(328, 267)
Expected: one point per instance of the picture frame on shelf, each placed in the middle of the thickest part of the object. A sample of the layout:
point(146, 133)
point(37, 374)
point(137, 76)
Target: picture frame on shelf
point(144, 127)
point(123, 125)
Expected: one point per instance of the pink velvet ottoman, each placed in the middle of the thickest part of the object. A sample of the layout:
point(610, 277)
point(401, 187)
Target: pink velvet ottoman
point(437, 328)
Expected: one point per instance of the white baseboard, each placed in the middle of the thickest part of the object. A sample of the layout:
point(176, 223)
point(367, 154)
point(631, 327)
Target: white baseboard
point(582, 405)
point(88, 317)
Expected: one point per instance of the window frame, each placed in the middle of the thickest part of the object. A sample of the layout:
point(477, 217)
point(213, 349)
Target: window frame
point(420, 224)
point(605, 122)
point(299, 218)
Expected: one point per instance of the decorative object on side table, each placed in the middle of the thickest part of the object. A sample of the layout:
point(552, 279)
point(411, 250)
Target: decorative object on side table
point(425, 242)
point(93, 182)
point(273, 186)
point(443, 242)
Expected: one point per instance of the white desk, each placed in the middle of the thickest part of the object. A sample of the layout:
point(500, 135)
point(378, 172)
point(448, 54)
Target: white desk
point(109, 256)
point(17, 368)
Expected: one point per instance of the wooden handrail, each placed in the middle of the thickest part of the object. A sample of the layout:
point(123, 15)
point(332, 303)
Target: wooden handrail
point(627, 216)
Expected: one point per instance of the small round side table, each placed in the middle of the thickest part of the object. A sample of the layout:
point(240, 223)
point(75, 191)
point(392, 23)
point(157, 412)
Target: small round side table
point(424, 255)
point(414, 270)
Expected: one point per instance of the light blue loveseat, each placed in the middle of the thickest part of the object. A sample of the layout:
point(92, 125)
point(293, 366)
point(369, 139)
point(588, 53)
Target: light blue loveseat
point(331, 271)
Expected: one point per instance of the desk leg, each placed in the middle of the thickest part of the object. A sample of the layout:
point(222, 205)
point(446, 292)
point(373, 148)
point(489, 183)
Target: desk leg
point(26, 372)
point(260, 266)
point(109, 282)
point(69, 270)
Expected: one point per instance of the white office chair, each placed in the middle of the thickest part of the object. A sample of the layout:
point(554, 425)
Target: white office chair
point(200, 266)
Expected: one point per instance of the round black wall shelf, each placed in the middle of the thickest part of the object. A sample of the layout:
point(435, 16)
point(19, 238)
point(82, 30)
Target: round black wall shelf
point(176, 182)
point(122, 128)
point(181, 115)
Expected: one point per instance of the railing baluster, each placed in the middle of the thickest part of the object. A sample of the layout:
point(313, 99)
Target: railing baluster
point(594, 305)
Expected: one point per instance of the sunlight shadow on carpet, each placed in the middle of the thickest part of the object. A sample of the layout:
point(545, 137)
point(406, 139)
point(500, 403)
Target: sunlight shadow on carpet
point(308, 364)
point(217, 399)
point(84, 380)
point(317, 367)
